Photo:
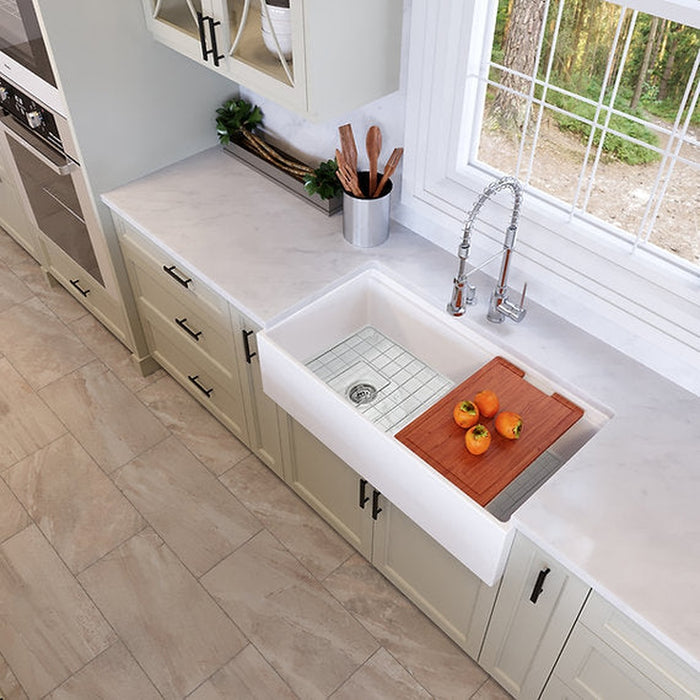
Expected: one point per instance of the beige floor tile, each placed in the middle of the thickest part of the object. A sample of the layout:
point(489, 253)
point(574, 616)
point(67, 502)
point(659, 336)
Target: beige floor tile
point(49, 628)
point(304, 533)
point(40, 346)
point(68, 496)
point(26, 423)
point(246, 677)
point(312, 642)
point(11, 252)
point(215, 446)
point(12, 289)
point(13, 517)
point(381, 678)
point(113, 675)
point(56, 298)
point(438, 664)
point(198, 517)
point(112, 352)
point(10, 689)
point(105, 417)
point(174, 630)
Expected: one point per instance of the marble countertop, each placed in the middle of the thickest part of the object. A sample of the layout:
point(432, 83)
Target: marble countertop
point(623, 513)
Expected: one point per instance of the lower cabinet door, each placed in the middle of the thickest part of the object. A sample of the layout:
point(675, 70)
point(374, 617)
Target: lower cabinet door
point(595, 671)
point(332, 488)
point(265, 415)
point(451, 595)
point(536, 608)
point(556, 689)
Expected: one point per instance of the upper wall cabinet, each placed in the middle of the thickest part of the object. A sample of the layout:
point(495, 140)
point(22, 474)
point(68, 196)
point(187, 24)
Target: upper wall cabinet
point(319, 58)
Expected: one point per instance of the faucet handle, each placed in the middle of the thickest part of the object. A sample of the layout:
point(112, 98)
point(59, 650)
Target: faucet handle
point(512, 310)
point(522, 296)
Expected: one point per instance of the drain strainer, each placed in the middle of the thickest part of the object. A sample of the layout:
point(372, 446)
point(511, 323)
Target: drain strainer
point(362, 393)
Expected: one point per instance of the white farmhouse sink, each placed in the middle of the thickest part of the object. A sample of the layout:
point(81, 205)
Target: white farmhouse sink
point(444, 344)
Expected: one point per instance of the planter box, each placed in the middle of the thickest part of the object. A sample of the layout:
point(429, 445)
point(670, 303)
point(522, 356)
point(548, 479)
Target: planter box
point(290, 183)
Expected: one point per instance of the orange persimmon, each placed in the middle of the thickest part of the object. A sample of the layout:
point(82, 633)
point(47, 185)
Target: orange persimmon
point(509, 425)
point(466, 414)
point(487, 401)
point(477, 439)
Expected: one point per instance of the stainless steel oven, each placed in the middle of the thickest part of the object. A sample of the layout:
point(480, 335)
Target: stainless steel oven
point(47, 166)
point(24, 56)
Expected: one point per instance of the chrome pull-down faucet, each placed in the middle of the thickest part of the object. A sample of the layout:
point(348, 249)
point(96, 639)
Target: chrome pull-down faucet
point(464, 293)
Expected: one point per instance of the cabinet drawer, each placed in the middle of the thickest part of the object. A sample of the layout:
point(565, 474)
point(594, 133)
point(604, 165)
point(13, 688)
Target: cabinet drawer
point(640, 649)
point(85, 288)
point(174, 276)
point(218, 390)
point(197, 330)
point(536, 608)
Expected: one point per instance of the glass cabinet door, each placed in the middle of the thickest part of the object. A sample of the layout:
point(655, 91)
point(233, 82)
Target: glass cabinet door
point(265, 37)
point(177, 23)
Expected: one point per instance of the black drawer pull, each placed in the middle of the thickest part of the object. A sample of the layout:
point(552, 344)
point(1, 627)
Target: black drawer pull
point(182, 322)
point(363, 495)
point(201, 387)
point(184, 281)
point(539, 585)
point(246, 346)
point(75, 282)
point(376, 510)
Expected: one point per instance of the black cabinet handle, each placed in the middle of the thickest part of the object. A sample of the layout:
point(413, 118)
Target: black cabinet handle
point(363, 495)
point(201, 387)
point(182, 322)
point(539, 585)
point(202, 37)
point(246, 346)
point(376, 510)
point(84, 292)
point(206, 52)
point(184, 281)
point(212, 34)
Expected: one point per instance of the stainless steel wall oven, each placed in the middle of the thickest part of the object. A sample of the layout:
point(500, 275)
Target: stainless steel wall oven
point(47, 165)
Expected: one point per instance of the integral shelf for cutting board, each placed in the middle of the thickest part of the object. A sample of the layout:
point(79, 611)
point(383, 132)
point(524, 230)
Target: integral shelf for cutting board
point(438, 440)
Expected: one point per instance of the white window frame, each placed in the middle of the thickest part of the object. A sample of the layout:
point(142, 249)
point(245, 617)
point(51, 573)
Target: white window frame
point(639, 302)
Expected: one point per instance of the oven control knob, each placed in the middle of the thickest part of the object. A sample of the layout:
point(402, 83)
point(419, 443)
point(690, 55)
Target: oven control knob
point(4, 94)
point(34, 119)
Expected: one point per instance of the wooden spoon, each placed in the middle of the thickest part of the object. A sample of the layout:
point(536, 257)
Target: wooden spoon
point(389, 169)
point(373, 143)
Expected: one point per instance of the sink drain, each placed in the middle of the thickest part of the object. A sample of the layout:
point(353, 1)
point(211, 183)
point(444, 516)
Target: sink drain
point(362, 393)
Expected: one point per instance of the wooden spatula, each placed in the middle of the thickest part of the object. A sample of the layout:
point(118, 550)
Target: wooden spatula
point(349, 150)
point(389, 169)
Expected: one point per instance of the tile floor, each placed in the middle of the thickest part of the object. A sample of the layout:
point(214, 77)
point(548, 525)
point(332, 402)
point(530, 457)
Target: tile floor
point(146, 553)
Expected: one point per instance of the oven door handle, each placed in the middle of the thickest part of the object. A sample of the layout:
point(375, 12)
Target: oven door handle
point(59, 164)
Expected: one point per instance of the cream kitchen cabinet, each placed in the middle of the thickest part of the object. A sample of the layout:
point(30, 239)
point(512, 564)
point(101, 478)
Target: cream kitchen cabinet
point(264, 416)
point(609, 657)
point(537, 605)
point(337, 56)
point(447, 592)
point(203, 342)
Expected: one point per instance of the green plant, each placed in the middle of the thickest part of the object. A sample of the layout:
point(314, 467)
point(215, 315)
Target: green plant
point(234, 116)
point(323, 180)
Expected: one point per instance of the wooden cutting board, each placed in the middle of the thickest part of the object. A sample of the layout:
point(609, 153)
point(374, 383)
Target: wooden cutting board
point(438, 440)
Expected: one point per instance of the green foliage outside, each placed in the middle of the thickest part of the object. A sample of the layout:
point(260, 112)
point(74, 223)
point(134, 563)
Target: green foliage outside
point(614, 146)
point(654, 76)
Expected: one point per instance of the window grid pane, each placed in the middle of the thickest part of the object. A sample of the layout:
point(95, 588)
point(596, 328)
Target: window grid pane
point(654, 160)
